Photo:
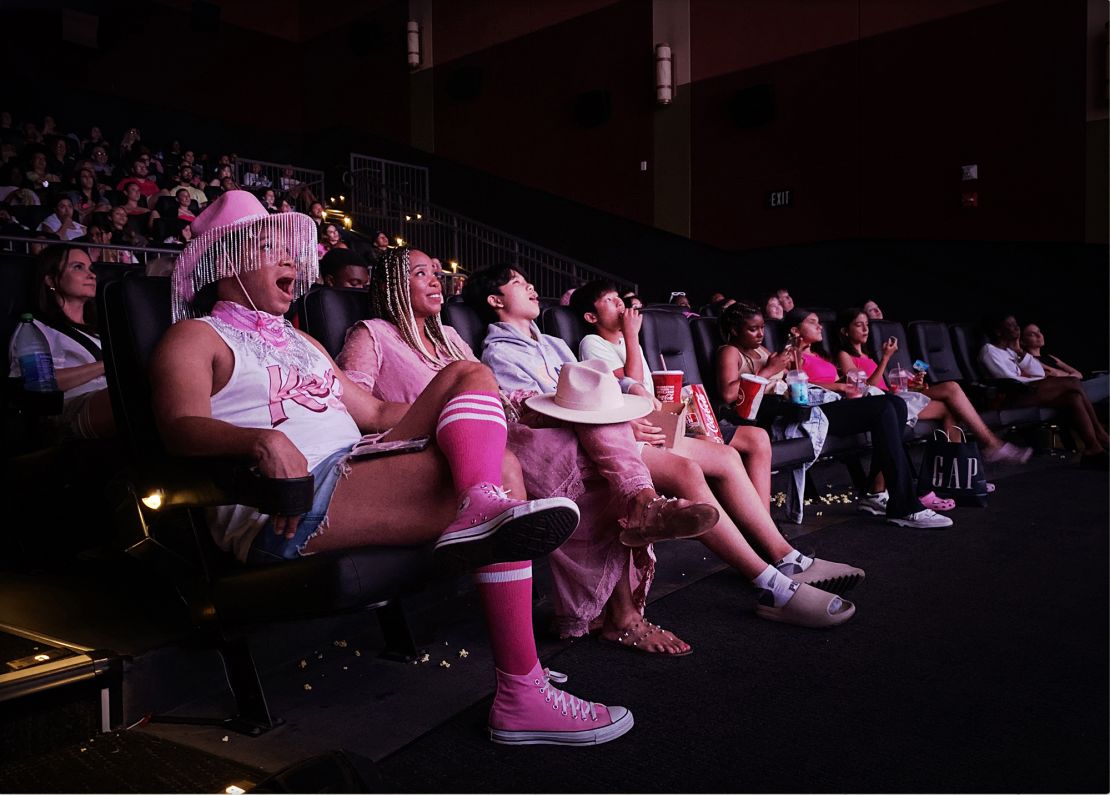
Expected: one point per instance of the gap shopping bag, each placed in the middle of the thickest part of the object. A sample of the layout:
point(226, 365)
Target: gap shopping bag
point(953, 470)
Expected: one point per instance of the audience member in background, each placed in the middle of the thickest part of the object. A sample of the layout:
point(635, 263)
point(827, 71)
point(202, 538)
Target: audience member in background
point(1032, 342)
point(716, 307)
point(269, 200)
point(785, 300)
point(872, 310)
point(615, 341)
point(135, 207)
point(944, 402)
point(100, 234)
point(186, 179)
point(381, 243)
point(772, 308)
point(87, 197)
point(127, 143)
point(125, 228)
point(397, 354)
point(288, 181)
point(632, 300)
point(317, 212)
point(342, 267)
point(255, 178)
point(37, 173)
point(61, 222)
point(287, 204)
point(64, 293)
point(223, 172)
point(170, 229)
point(884, 416)
point(329, 238)
point(679, 298)
point(459, 484)
point(96, 138)
point(100, 164)
point(742, 328)
point(60, 160)
point(526, 361)
point(1002, 357)
point(138, 175)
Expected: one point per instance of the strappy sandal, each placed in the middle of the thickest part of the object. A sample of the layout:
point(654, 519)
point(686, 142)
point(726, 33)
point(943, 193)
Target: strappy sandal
point(631, 640)
point(666, 519)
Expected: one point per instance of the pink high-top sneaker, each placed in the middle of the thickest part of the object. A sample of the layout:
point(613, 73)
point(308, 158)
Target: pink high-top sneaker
point(529, 710)
point(493, 528)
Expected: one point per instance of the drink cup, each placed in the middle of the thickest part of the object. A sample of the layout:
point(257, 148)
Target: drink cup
point(668, 385)
point(858, 380)
point(750, 396)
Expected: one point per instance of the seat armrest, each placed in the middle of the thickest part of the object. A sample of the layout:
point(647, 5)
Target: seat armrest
point(36, 404)
point(208, 482)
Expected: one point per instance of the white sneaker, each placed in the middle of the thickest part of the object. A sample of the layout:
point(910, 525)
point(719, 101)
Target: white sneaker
point(924, 519)
point(874, 504)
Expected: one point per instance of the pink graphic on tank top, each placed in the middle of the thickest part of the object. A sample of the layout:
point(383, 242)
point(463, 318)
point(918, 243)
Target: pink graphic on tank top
point(310, 391)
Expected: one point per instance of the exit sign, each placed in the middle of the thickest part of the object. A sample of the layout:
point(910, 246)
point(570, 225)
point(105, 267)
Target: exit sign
point(780, 198)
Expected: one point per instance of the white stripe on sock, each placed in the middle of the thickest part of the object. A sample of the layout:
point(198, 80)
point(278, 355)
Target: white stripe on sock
point(490, 399)
point(473, 404)
point(511, 575)
point(445, 421)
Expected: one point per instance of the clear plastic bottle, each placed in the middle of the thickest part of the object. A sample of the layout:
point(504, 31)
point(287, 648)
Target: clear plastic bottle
point(32, 351)
point(898, 378)
point(797, 381)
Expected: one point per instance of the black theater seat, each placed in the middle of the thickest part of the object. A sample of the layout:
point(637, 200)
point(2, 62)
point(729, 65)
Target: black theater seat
point(465, 320)
point(707, 338)
point(669, 344)
point(564, 323)
point(326, 313)
point(881, 330)
point(223, 594)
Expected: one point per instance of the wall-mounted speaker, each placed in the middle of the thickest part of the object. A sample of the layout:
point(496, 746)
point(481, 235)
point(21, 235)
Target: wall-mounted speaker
point(464, 84)
point(753, 107)
point(592, 108)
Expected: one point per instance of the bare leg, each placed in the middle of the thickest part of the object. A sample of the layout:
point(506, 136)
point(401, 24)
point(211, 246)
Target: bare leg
point(98, 419)
point(457, 377)
point(621, 616)
point(754, 446)
point(950, 404)
point(1066, 395)
point(682, 477)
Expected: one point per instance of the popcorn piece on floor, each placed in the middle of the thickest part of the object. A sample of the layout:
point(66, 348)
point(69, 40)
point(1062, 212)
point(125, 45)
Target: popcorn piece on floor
point(444, 664)
point(307, 686)
point(463, 653)
point(225, 739)
point(425, 657)
point(302, 664)
point(358, 653)
point(339, 644)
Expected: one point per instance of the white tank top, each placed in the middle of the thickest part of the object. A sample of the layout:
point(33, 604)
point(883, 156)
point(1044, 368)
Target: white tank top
point(293, 390)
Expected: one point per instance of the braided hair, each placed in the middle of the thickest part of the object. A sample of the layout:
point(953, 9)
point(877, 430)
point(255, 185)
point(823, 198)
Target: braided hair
point(389, 291)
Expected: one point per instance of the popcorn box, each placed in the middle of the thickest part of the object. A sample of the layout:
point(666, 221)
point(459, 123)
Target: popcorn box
point(672, 419)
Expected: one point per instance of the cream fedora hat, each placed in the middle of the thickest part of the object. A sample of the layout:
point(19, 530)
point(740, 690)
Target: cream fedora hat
point(588, 393)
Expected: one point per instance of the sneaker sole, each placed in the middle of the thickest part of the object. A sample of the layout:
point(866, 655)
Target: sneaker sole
point(524, 532)
point(870, 510)
point(919, 526)
point(614, 730)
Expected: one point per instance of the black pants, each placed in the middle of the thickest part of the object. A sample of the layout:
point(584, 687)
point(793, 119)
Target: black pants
point(884, 417)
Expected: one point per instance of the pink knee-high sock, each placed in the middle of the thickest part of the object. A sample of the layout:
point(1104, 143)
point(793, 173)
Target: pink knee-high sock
point(471, 433)
point(506, 591)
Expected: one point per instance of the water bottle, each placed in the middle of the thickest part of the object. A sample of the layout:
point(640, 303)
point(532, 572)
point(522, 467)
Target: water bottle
point(33, 354)
point(798, 383)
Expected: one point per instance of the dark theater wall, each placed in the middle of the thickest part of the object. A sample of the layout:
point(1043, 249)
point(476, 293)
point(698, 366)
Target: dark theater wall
point(869, 136)
point(566, 109)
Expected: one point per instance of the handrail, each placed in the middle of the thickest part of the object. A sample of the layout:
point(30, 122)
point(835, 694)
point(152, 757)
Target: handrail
point(273, 172)
point(21, 245)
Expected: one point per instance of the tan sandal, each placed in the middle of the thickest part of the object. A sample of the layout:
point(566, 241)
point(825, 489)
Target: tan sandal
point(630, 638)
point(666, 519)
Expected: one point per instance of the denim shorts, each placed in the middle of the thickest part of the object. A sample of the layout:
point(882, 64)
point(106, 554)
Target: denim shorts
point(268, 547)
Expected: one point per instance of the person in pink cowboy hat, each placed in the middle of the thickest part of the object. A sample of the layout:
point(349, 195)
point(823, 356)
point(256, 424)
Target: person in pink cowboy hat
point(233, 377)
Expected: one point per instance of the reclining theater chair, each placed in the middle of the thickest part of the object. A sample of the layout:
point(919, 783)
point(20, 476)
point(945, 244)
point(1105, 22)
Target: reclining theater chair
point(223, 595)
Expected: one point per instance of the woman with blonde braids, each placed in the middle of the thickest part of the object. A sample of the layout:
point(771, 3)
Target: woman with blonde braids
point(397, 354)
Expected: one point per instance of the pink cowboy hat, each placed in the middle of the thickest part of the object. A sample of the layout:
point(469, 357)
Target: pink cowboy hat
point(225, 243)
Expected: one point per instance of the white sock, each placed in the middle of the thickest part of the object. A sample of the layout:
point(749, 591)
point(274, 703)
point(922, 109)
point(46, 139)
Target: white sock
point(776, 587)
point(793, 562)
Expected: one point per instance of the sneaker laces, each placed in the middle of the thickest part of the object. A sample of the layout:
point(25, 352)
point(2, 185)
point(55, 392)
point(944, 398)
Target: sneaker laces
point(580, 709)
point(498, 491)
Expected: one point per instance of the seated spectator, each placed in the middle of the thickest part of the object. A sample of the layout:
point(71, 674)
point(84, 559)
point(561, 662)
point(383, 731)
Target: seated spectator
point(139, 175)
point(772, 308)
point(127, 144)
point(100, 164)
point(632, 300)
point(222, 172)
point(1002, 357)
point(317, 212)
point(381, 243)
point(679, 298)
point(227, 183)
point(255, 178)
point(288, 182)
point(785, 300)
point(60, 160)
point(135, 206)
point(125, 230)
point(342, 267)
point(742, 328)
point(100, 234)
point(64, 292)
point(96, 138)
point(87, 198)
point(720, 305)
point(1032, 342)
point(883, 416)
point(872, 310)
point(615, 341)
point(395, 357)
point(329, 238)
point(61, 222)
point(240, 334)
point(186, 179)
point(269, 200)
point(171, 161)
point(526, 361)
point(288, 204)
point(37, 173)
point(944, 402)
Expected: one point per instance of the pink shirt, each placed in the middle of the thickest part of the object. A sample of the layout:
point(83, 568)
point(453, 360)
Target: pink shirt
point(818, 370)
point(868, 365)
